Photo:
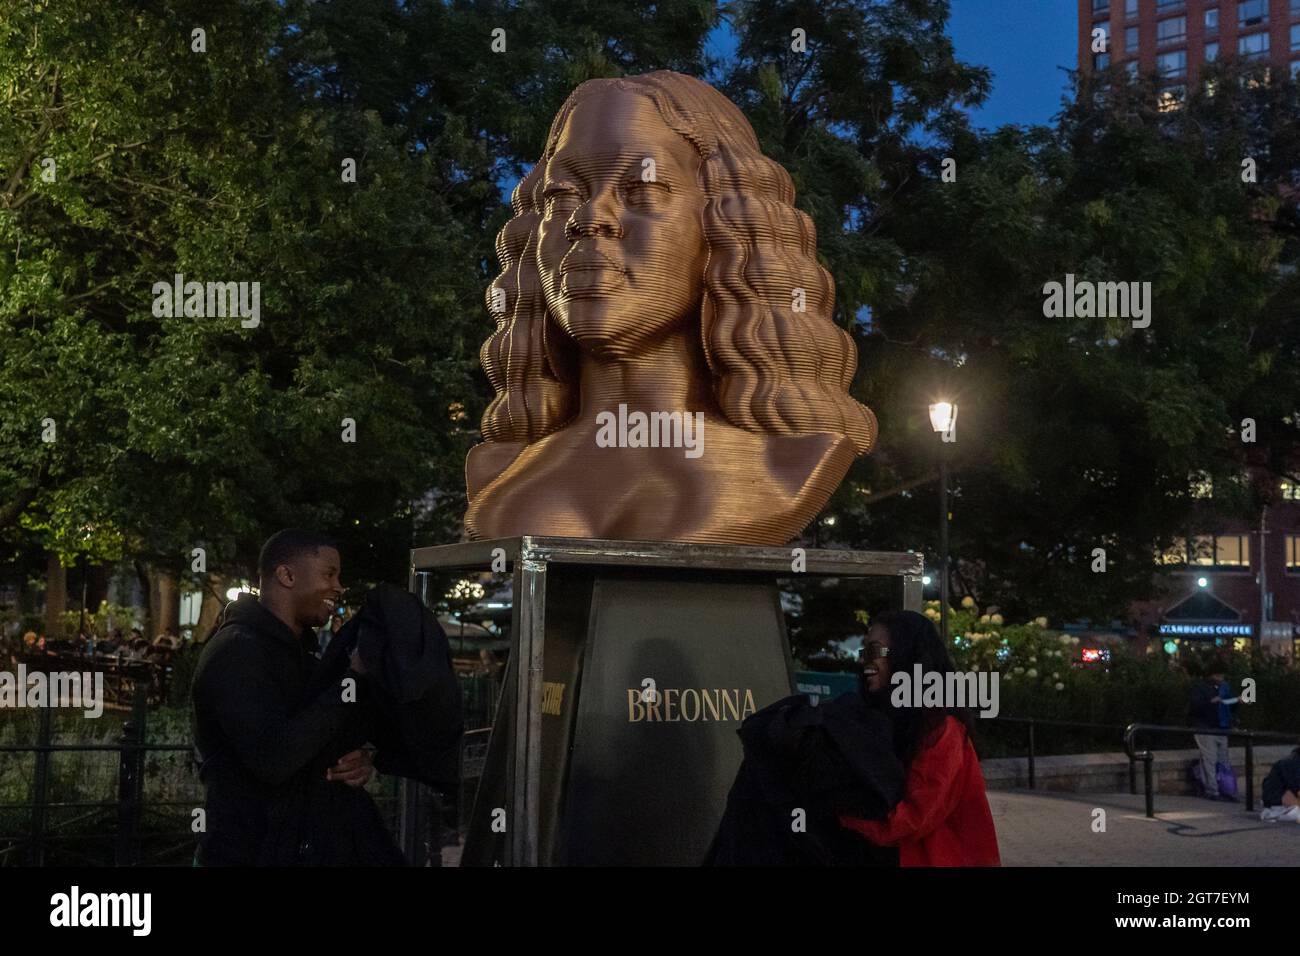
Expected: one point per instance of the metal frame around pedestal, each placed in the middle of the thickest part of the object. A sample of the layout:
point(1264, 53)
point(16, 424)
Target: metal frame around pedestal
point(528, 557)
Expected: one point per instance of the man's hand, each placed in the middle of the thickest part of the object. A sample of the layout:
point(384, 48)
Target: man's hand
point(355, 769)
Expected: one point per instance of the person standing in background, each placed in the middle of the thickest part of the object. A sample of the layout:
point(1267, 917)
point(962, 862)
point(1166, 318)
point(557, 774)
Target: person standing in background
point(1212, 708)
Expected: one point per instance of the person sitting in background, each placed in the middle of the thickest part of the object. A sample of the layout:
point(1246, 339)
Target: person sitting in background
point(112, 642)
point(1281, 791)
point(487, 664)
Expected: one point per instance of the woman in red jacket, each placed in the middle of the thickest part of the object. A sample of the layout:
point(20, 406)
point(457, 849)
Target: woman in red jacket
point(943, 818)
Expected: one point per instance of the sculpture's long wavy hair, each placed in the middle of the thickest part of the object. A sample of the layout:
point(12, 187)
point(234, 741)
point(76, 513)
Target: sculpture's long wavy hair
point(774, 369)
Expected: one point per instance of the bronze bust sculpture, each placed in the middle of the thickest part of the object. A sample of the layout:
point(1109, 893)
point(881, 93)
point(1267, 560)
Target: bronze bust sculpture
point(664, 360)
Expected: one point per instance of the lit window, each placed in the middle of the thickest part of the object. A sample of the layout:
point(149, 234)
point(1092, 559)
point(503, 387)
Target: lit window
point(1258, 79)
point(1293, 552)
point(1170, 99)
point(1211, 52)
point(1252, 13)
point(1131, 40)
point(1253, 46)
point(1212, 20)
point(1173, 30)
point(1172, 64)
point(1232, 551)
point(1202, 550)
point(1295, 37)
point(1176, 553)
point(1290, 490)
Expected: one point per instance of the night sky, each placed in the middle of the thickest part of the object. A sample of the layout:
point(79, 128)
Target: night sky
point(1024, 43)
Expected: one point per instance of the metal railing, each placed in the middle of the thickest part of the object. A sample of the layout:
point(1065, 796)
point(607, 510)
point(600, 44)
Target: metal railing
point(1147, 757)
point(129, 808)
point(122, 676)
point(1031, 749)
point(131, 749)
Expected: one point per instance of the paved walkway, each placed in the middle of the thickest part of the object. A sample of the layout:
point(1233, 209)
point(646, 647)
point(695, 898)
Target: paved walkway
point(1055, 829)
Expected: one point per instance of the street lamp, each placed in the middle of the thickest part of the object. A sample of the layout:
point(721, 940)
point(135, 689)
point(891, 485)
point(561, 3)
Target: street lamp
point(943, 419)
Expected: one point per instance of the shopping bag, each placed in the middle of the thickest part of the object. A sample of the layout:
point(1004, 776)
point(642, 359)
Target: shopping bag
point(1227, 780)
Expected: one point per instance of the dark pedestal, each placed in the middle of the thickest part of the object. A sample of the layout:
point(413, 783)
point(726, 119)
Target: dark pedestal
point(638, 662)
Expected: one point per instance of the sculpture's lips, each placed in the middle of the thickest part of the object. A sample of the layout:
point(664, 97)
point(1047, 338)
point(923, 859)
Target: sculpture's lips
point(592, 265)
point(591, 277)
point(589, 258)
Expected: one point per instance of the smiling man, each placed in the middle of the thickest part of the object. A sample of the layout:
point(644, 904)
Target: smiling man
point(267, 737)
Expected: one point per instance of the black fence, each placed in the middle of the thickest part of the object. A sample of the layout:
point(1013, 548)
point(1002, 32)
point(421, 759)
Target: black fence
point(133, 829)
point(124, 677)
point(118, 831)
point(1132, 731)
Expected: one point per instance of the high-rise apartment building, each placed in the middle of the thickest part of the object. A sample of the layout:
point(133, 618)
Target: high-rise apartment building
point(1173, 38)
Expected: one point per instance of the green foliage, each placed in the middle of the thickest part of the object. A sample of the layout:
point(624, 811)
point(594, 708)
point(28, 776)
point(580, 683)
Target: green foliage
point(1091, 428)
point(1041, 676)
point(100, 622)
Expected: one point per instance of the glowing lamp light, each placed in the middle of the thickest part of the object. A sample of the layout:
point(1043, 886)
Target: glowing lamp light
point(1093, 654)
point(943, 416)
point(1171, 647)
point(233, 593)
point(1202, 582)
point(926, 580)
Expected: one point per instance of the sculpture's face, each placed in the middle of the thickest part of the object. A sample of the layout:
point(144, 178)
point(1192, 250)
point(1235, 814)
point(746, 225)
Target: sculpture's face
point(621, 259)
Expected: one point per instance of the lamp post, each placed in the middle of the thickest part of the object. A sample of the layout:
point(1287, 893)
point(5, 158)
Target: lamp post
point(943, 419)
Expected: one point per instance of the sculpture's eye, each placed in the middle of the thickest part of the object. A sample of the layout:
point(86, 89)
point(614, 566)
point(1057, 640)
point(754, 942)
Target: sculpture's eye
point(644, 194)
point(559, 197)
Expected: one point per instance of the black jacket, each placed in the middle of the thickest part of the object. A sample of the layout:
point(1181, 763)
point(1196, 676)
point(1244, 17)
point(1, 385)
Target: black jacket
point(269, 719)
point(824, 760)
point(1284, 776)
point(416, 705)
point(1201, 712)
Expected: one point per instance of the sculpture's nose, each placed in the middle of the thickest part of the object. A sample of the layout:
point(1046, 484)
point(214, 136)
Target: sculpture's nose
point(594, 218)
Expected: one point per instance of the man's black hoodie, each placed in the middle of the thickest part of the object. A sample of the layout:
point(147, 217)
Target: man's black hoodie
point(266, 728)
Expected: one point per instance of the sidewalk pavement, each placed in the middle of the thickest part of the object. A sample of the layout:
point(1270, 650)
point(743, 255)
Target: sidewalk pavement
point(1055, 829)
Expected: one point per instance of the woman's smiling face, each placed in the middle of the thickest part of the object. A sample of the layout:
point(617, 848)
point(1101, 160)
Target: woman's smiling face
point(875, 670)
point(621, 258)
